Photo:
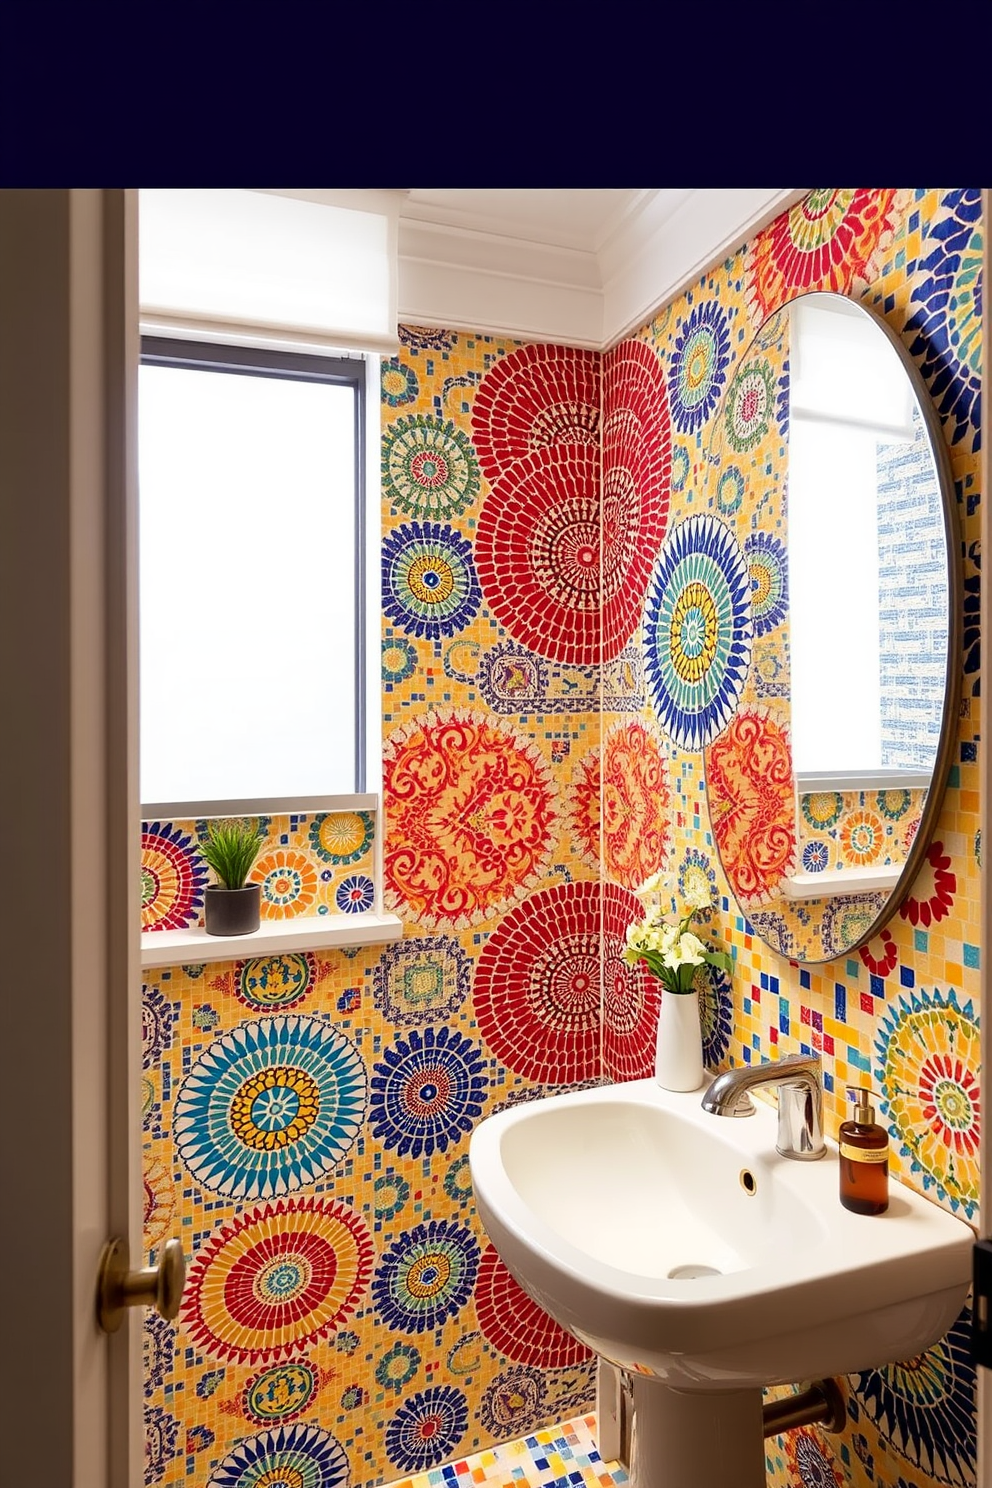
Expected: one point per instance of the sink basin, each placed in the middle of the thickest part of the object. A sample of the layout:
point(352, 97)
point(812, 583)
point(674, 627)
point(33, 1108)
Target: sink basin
point(681, 1246)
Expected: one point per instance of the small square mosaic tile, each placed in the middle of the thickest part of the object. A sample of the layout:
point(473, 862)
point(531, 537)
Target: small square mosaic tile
point(564, 1456)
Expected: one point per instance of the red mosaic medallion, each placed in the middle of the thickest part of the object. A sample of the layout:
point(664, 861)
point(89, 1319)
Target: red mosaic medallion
point(637, 803)
point(631, 995)
point(637, 468)
point(276, 1278)
point(582, 809)
point(515, 1325)
point(472, 817)
point(750, 791)
point(933, 889)
point(536, 987)
point(537, 552)
point(535, 397)
point(830, 240)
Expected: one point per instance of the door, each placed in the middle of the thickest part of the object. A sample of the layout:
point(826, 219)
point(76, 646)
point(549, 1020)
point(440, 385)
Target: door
point(71, 1005)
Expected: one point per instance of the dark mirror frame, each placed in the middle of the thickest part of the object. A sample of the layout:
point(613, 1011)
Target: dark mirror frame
point(952, 679)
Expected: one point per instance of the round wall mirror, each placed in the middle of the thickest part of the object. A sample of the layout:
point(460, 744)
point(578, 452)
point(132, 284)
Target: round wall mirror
point(827, 463)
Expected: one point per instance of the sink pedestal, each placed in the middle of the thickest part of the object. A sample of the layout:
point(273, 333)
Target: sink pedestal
point(695, 1439)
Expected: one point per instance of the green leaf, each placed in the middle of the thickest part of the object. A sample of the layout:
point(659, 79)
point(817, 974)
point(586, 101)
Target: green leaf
point(230, 849)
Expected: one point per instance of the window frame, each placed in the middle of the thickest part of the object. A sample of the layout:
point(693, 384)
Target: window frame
point(340, 370)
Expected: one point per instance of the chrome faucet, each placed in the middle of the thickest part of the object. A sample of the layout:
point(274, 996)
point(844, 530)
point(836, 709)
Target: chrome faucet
point(800, 1100)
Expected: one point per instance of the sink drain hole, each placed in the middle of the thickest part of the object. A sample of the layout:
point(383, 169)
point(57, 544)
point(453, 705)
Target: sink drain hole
point(693, 1268)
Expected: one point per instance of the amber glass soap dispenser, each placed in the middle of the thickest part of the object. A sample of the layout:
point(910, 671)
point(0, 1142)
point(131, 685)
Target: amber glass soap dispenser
point(864, 1159)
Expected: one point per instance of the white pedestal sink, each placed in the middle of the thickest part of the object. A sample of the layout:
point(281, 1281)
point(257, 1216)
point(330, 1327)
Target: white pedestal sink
point(682, 1248)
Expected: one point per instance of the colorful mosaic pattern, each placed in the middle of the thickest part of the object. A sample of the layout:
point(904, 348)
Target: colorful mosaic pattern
point(300, 1327)
point(303, 862)
point(173, 878)
point(472, 817)
point(636, 478)
point(278, 1277)
point(698, 631)
point(537, 984)
point(270, 1108)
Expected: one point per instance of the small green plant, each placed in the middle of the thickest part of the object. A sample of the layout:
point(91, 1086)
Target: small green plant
point(230, 849)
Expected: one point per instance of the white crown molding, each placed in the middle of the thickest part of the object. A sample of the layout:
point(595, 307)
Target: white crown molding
point(469, 278)
point(665, 251)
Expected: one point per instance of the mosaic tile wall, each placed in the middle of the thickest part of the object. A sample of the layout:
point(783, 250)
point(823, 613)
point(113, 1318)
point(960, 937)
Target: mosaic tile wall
point(307, 1120)
point(856, 829)
point(307, 1116)
point(309, 864)
point(900, 1014)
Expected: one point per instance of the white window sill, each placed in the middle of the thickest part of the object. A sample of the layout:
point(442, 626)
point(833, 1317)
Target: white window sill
point(194, 946)
point(828, 885)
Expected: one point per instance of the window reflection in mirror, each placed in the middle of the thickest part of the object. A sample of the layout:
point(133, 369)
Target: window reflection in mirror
point(865, 530)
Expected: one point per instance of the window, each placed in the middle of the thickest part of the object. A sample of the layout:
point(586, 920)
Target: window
point(252, 574)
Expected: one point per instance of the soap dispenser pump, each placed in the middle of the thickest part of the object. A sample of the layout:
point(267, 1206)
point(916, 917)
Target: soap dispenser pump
point(864, 1159)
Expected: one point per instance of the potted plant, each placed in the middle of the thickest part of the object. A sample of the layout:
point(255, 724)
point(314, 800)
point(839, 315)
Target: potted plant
point(231, 906)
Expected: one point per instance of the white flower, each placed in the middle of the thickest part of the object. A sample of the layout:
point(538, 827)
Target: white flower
point(687, 951)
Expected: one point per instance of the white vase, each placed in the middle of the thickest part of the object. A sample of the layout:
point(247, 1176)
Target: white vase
point(679, 1052)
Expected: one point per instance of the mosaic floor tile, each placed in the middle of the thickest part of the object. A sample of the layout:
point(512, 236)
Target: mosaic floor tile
point(564, 1456)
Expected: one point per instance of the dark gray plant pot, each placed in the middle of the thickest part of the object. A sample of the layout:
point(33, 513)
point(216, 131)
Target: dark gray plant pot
point(232, 911)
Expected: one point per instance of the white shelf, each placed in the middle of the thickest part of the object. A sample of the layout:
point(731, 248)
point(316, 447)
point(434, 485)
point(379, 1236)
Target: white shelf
point(305, 933)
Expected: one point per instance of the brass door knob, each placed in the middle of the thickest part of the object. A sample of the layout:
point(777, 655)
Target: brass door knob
point(158, 1286)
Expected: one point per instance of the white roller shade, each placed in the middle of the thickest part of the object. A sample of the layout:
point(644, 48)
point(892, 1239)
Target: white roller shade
point(314, 273)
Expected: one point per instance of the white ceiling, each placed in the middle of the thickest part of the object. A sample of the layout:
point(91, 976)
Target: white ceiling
point(582, 266)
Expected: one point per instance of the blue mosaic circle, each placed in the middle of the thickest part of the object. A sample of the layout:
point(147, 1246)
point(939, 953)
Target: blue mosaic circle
point(698, 631)
point(270, 1107)
point(429, 584)
point(893, 804)
point(273, 984)
point(391, 1193)
point(426, 1276)
point(427, 1092)
point(699, 366)
point(421, 978)
point(847, 920)
point(947, 325)
point(397, 1366)
point(341, 836)
point(355, 894)
point(730, 490)
point(924, 1407)
point(680, 467)
point(297, 1456)
point(398, 383)
point(427, 1428)
point(399, 660)
point(768, 562)
point(816, 856)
